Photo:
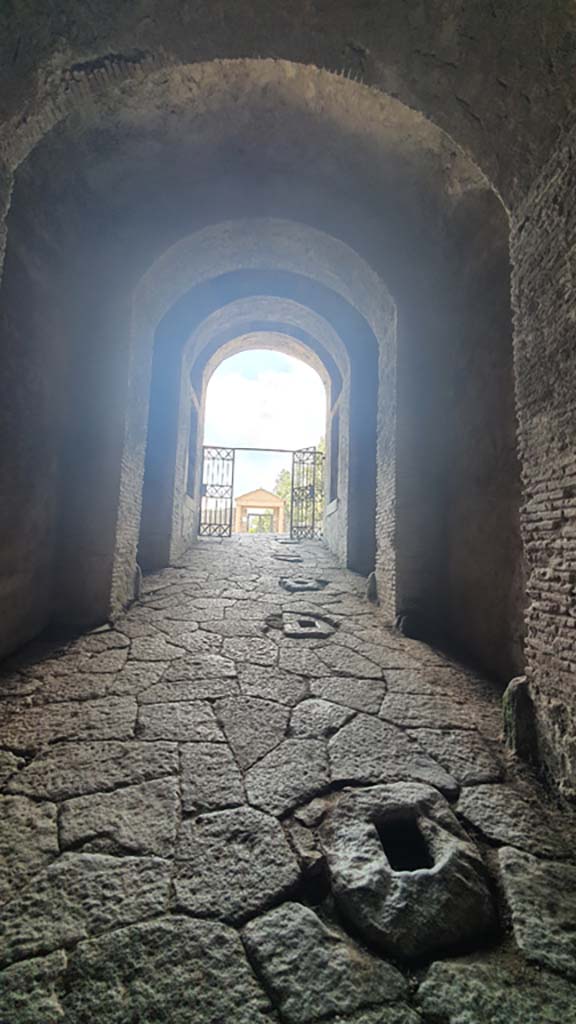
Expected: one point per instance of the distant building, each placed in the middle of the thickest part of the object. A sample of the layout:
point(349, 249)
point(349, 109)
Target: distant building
point(259, 511)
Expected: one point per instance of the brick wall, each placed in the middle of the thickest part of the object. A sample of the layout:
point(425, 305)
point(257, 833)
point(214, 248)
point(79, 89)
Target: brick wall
point(544, 296)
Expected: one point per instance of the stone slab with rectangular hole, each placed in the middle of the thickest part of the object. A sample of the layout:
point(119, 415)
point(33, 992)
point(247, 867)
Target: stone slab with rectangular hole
point(306, 625)
point(313, 971)
point(232, 863)
point(71, 769)
point(210, 779)
point(301, 584)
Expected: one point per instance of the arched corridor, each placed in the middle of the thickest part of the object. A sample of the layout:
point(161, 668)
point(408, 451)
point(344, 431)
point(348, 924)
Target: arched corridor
point(259, 777)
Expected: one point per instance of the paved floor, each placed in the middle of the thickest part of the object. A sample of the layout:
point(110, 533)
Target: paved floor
point(184, 832)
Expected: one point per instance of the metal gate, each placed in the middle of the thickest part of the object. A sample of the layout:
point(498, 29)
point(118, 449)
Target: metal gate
point(307, 496)
point(217, 504)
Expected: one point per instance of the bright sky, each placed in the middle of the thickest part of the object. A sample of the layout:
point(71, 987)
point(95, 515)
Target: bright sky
point(266, 400)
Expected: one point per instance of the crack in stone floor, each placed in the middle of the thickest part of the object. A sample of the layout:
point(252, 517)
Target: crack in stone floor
point(175, 793)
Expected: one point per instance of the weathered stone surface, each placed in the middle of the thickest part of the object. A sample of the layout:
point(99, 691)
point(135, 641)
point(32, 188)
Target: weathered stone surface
point(316, 718)
point(79, 895)
point(210, 777)
point(232, 863)
point(383, 1015)
point(29, 991)
point(257, 650)
point(519, 718)
point(199, 642)
point(165, 692)
point(72, 769)
point(417, 680)
point(362, 694)
point(511, 818)
point(542, 898)
point(272, 684)
point(348, 663)
point(201, 666)
point(173, 970)
point(292, 773)
point(252, 726)
point(180, 720)
point(463, 753)
point(301, 660)
point(135, 676)
point(370, 750)
point(28, 841)
point(9, 764)
point(138, 819)
point(495, 992)
point(154, 648)
point(99, 661)
point(233, 627)
point(312, 971)
point(439, 712)
point(404, 872)
point(28, 728)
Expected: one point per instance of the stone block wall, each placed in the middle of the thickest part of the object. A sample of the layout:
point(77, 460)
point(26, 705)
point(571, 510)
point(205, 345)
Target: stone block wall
point(544, 295)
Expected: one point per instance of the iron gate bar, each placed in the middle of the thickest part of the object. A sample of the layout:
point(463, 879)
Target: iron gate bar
point(217, 490)
point(305, 493)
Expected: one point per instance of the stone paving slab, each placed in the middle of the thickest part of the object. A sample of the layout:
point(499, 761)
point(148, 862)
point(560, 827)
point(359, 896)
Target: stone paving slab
point(134, 819)
point(210, 777)
point(253, 727)
point(72, 769)
point(29, 728)
point(174, 970)
point(28, 841)
point(369, 750)
point(313, 971)
point(184, 760)
point(542, 898)
point(496, 992)
point(79, 895)
point(289, 775)
point(231, 864)
point(180, 720)
point(463, 753)
point(509, 817)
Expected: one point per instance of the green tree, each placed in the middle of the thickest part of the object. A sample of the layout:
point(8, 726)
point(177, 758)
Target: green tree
point(283, 488)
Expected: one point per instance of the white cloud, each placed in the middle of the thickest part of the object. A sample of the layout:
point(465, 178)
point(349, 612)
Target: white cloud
point(268, 409)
